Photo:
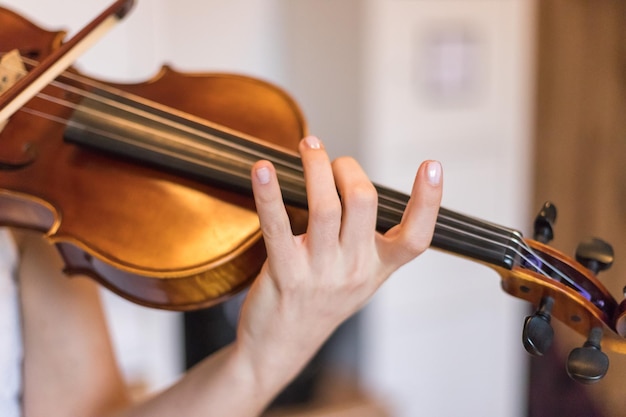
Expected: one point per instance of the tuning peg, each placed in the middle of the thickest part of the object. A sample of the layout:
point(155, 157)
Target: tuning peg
point(538, 333)
point(544, 222)
point(596, 254)
point(588, 364)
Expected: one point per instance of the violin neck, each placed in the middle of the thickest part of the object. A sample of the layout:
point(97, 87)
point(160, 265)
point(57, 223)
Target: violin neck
point(224, 158)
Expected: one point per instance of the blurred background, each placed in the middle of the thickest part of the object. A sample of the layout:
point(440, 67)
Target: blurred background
point(522, 101)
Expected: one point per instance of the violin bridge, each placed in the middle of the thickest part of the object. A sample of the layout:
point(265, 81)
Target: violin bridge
point(11, 70)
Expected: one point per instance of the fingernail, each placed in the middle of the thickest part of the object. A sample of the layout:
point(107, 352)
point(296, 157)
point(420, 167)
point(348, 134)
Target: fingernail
point(433, 172)
point(263, 175)
point(313, 142)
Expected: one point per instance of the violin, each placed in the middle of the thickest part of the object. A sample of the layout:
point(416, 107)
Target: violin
point(145, 188)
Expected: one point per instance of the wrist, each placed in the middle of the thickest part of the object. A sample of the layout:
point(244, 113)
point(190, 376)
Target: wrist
point(267, 369)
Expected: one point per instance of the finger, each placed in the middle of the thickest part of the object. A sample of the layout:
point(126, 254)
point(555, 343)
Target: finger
point(359, 200)
point(323, 200)
point(414, 233)
point(270, 208)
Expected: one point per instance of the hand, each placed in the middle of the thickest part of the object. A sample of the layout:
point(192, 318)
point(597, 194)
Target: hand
point(311, 283)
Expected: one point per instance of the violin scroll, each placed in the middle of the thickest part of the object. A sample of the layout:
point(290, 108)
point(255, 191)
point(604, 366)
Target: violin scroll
point(568, 290)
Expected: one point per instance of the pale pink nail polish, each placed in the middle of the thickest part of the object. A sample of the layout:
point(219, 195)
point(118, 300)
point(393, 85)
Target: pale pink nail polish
point(433, 172)
point(313, 142)
point(263, 175)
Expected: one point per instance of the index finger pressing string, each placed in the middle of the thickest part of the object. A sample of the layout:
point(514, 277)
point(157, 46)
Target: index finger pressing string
point(270, 207)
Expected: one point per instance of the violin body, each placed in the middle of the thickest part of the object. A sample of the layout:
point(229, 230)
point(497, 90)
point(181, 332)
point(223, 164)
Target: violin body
point(155, 237)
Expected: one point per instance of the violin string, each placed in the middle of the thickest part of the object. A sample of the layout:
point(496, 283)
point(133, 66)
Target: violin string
point(179, 126)
point(526, 253)
point(211, 138)
point(145, 146)
point(136, 111)
point(463, 228)
point(393, 207)
point(387, 203)
point(74, 77)
point(250, 154)
point(196, 145)
point(172, 139)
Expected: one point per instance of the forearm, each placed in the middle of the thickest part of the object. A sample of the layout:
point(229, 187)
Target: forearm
point(69, 366)
point(67, 349)
point(228, 383)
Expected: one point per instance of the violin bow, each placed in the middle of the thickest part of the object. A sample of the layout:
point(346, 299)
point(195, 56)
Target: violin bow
point(28, 86)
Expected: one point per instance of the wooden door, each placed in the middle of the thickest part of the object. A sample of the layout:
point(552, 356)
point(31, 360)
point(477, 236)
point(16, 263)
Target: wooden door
point(580, 165)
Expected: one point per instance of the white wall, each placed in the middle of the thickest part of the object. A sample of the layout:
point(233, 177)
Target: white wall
point(441, 338)
point(449, 81)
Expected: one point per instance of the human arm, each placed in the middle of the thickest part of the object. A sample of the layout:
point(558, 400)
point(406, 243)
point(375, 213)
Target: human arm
point(69, 366)
point(309, 285)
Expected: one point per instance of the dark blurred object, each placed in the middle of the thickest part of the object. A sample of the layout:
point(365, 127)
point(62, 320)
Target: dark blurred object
point(552, 393)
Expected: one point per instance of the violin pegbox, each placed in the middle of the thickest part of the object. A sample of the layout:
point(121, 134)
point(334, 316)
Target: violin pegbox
point(570, 289)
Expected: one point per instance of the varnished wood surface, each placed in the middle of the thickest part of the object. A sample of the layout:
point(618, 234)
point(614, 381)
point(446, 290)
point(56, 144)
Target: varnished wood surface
point(183, 240)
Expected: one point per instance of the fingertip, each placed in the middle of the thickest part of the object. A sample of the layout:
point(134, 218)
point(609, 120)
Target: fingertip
point(434, 173)
point(429, 183)
point(262, 172)
point(312, 142)
point(263, 175)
